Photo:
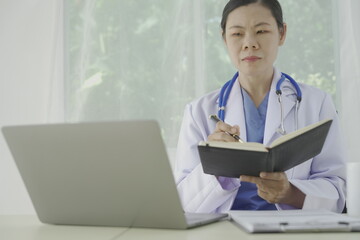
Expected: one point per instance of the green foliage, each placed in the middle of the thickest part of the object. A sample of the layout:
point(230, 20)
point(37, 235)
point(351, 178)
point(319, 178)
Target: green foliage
point(309, 51)
point(137, 59)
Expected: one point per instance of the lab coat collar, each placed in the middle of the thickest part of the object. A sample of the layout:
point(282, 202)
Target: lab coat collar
point(273, 115)
point(234, 112)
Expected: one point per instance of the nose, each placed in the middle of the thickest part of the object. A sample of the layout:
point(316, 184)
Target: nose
point(250, 42)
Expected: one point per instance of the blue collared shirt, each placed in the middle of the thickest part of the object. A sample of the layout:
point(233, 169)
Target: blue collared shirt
point(247, 198)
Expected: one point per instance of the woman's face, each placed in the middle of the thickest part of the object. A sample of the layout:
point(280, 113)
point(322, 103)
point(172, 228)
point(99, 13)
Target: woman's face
point(252, 38)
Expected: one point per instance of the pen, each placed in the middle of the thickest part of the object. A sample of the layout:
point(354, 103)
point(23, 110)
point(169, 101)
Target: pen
point(216, 119)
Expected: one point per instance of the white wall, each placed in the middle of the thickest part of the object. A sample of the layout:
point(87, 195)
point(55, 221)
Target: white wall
point(30, 81)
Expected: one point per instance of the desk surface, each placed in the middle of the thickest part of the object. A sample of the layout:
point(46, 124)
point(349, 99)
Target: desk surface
point(29, 228)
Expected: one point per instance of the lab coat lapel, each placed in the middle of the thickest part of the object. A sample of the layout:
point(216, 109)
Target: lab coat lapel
point(273, 115)
point(234, 112)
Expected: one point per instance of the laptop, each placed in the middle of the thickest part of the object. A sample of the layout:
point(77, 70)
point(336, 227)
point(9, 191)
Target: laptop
point(100, 174)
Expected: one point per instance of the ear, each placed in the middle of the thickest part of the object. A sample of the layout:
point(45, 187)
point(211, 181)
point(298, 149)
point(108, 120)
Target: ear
point(223, 35)
point(283, 34)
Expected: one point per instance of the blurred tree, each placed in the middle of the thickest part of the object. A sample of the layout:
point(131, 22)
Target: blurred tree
point(147, 58)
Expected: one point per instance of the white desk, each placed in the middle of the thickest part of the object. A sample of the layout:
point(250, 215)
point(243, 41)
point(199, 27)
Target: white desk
point(29, 228)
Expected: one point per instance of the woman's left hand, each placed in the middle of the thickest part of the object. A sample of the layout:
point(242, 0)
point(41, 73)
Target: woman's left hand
point(275, 188)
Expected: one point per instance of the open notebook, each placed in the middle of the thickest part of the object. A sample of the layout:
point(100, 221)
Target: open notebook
point(232, 159)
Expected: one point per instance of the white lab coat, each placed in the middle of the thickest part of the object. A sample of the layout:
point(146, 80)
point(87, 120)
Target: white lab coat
point(321, 179)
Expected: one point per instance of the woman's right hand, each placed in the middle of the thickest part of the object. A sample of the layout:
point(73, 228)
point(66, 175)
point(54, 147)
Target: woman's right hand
point(221, 132)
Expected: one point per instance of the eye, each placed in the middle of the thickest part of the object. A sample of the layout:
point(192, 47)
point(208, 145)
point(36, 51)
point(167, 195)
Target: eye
point(237, 34)
point(261, 31)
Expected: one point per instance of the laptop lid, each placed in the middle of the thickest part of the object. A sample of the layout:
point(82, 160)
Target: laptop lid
point(100, 173)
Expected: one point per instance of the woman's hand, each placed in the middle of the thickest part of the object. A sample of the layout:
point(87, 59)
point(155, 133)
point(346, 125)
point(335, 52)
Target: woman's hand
point(221, 132)
point(275, 188)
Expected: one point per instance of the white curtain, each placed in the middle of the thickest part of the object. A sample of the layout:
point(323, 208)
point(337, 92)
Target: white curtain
point(31, 81)
point(141, 59)
point(349, 66)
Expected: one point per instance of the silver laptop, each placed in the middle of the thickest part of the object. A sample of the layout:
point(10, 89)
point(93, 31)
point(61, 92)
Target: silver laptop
point(100, 174)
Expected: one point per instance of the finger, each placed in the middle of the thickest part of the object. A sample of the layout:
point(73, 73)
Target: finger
point(274, 188)
point(260, 188)
point(267, 197)
point(273, 185)
point(261, 193)
point(221, 136)
point(276, 176)
point(237, 130)
point(269, 190)
point(224, 127)
point(251, 179)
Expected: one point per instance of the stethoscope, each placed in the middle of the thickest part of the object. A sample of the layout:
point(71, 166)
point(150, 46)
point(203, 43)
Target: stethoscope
point(225, 92)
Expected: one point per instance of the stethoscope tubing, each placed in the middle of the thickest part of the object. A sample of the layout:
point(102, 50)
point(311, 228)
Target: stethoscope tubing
point(226, 89)
point(224, 96)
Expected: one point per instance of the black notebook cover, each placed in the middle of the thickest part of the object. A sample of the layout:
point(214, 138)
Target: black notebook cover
point(230, 162)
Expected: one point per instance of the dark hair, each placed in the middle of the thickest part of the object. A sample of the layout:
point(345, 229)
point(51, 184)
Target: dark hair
point(273, 5)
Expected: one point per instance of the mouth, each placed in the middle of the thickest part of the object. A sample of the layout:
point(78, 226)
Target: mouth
point(251, 58)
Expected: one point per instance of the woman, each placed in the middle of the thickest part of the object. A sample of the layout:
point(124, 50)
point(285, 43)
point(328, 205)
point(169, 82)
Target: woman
point(253, 30)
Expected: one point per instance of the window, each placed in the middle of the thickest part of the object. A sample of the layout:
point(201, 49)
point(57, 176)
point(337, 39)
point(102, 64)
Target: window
point(146, 59)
